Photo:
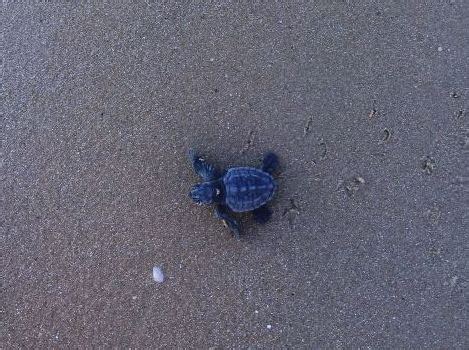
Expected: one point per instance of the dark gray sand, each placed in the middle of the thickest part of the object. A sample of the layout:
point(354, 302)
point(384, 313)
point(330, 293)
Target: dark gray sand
point(366, 103)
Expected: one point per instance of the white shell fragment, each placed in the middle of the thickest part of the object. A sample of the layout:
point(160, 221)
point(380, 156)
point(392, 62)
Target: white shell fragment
point(158, 275)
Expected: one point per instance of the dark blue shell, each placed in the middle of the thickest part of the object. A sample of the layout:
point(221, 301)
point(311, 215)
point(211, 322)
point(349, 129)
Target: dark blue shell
point(247, 188)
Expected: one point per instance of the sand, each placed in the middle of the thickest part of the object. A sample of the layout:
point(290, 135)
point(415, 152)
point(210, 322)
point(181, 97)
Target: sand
point(364, 102)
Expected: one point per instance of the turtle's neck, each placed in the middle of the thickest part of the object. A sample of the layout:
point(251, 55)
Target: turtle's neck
point(219, 185)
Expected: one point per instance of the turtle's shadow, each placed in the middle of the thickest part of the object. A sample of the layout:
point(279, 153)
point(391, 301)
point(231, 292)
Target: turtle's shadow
point(252, 231)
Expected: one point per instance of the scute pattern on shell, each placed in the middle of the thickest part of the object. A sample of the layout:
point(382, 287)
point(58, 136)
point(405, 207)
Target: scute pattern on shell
point(248, 188)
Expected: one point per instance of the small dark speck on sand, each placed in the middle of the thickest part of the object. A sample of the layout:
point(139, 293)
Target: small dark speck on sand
point(428, 165)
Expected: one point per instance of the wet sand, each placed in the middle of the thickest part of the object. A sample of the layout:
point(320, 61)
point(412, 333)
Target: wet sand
point(365, 104)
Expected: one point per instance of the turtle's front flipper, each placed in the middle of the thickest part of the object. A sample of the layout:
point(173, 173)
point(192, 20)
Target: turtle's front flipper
point(262, 214)
point(270, 163)
point(220, 213)
point(205, 170)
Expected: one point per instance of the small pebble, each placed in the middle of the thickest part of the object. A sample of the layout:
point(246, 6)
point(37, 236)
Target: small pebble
point(440, 49)
point(269, 326)
point(158, 275)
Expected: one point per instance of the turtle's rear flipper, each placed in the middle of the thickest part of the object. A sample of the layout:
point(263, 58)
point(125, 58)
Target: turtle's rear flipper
point(262, 214)
point(220, 213)
point(270, 163)
point(205, 170)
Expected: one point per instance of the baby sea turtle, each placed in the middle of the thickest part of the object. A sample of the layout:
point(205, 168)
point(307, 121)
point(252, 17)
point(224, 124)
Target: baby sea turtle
point(239, 189)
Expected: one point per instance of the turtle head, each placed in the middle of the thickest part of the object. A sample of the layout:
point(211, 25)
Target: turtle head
point(204, 193)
